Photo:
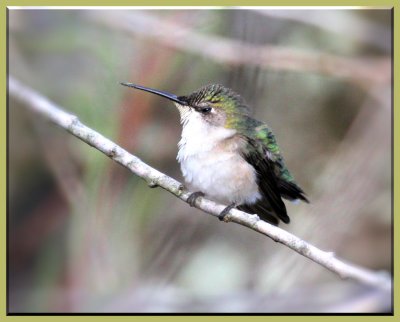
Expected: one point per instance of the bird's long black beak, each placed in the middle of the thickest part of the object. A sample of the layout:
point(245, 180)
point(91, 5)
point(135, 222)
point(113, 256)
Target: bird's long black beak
point(169, 96)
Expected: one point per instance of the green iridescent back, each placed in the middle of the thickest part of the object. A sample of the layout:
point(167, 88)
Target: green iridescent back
point(262, 137)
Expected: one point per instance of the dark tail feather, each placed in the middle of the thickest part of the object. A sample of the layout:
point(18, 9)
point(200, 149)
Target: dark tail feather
point(265, 213)
point(291, 191)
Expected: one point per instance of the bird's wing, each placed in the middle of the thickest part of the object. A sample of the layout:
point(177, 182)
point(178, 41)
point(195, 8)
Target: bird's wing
point(271, 202)
point(274, 179)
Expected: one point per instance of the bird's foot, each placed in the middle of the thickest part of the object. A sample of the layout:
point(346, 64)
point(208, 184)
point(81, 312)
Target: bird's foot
point(193, 197)
point(224, 212)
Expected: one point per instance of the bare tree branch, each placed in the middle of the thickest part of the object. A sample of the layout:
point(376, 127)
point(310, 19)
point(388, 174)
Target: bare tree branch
point(351, 25)
point(154, 178)
point(362, 71)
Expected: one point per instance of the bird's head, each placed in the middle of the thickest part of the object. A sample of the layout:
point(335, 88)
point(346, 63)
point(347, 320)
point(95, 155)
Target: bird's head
point(215, 104)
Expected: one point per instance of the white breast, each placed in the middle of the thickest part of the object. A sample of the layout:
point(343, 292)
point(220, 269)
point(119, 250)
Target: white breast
point(210, 163)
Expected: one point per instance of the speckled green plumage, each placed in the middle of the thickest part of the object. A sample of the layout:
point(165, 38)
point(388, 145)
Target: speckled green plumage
point(220, 97)
point(263, 143)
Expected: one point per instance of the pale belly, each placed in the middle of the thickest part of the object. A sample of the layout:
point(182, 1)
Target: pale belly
point(223, 177)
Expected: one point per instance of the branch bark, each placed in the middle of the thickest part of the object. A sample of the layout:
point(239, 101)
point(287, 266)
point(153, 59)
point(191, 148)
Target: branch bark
point(154, 178)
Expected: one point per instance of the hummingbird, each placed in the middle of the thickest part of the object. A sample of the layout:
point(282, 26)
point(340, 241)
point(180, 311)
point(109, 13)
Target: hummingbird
point(230, 157)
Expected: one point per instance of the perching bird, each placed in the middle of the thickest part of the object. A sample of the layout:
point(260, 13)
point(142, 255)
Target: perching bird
point(230, 157)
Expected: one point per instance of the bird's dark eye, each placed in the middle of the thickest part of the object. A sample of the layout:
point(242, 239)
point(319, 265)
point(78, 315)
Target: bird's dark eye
point(205, 110)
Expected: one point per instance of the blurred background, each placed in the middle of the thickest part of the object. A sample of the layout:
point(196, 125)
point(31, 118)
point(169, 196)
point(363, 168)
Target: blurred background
point(85, 235)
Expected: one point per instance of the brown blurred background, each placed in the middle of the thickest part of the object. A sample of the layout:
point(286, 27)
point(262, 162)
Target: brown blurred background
point(85, 235)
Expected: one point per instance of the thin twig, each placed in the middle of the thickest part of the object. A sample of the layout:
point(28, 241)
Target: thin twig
point(352, 25)
point(153, 177)
point(362, 71)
